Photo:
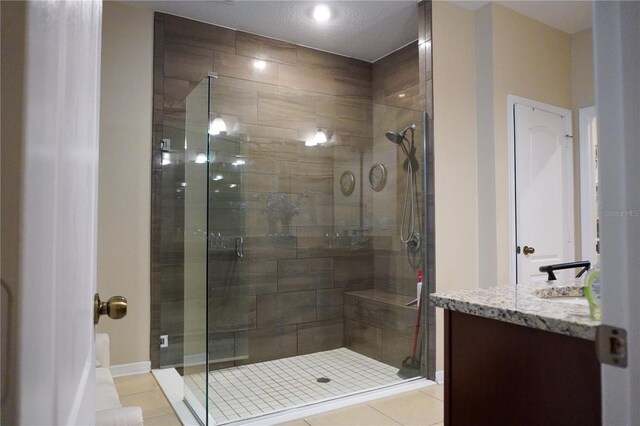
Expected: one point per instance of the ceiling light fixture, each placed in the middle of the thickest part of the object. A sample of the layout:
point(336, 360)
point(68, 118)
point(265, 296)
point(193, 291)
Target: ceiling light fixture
point(201, 158)
point(259, 65)
point(321, 13)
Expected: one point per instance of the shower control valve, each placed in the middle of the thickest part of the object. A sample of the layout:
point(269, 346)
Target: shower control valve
point(414, 243)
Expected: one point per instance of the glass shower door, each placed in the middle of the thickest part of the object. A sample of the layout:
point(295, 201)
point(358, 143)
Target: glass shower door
point(195, 249)
point(217, 309)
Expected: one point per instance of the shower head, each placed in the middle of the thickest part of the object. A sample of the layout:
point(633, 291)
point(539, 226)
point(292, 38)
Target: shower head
point(408, 149)
point(398, 138)
point(395, 137)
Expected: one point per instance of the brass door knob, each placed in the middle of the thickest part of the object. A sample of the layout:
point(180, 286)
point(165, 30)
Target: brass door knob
point(528, 250)
point(115, 307)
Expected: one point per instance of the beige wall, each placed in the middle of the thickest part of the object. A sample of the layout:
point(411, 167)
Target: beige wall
point(478, 60)
point(582, 77)
point(455, 153)
point(531, 60)
point(125, 175)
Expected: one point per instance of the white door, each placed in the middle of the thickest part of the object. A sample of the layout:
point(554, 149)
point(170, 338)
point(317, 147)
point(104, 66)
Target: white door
point(589, 184)
point(617, 65)
point(49, 208)
point(543, 192)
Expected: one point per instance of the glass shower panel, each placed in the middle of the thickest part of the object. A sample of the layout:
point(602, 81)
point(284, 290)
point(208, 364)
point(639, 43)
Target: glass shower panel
point(195, 248)
point(229, 303)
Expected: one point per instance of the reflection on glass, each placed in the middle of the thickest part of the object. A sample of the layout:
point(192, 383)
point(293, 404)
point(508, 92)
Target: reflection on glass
point(217, 126)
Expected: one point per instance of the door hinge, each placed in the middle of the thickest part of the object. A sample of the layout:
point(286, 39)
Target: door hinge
point(611, 345)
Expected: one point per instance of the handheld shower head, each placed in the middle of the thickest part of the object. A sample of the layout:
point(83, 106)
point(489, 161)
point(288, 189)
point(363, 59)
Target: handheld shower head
point(412, 239)
point(395, 137)
point(399, 138)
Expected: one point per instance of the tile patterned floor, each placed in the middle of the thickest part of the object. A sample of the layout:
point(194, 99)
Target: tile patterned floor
point(423, 407)
point(256, 389)
point(416, 408)
point(143, 391)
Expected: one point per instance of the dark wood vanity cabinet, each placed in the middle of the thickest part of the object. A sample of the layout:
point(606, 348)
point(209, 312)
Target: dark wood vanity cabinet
point(497, 373)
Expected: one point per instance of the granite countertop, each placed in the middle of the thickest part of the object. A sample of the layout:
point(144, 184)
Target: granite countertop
point(523, 305)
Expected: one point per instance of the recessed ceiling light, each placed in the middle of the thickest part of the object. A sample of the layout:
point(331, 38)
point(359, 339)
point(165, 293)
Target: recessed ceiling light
point(260, 65)
point(321, 13)
point(402, 95)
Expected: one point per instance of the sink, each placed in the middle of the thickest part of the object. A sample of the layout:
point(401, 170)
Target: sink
point(568, 299)
point(573, 295)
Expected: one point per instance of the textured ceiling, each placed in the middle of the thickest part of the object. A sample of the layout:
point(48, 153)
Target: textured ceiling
point(361, 29)
point(365, 30)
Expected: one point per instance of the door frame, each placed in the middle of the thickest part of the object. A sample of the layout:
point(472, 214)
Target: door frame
point(587, 172)
point(617, 58)
point(512, 100)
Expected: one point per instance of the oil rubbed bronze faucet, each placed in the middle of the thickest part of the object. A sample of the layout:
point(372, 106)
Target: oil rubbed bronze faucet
point(584, 264)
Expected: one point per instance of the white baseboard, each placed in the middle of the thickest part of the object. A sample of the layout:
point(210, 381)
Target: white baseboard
point(440, 376)
point(130, 369)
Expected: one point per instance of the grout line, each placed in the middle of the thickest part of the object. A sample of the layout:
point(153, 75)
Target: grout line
point(270, 386)
point(386, 415)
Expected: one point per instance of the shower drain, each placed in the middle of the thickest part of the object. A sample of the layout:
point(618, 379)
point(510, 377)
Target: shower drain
point(323, 380)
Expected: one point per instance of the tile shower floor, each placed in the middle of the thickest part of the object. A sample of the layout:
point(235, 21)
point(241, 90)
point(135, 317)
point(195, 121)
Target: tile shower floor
point(251, 390)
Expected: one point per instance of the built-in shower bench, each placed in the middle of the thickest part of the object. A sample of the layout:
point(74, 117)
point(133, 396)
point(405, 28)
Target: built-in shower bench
point(378, 324)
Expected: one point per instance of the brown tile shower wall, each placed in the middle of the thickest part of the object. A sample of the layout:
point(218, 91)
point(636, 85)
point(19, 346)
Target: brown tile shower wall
point(396, 79)
point(377, 322)
point(295, 283)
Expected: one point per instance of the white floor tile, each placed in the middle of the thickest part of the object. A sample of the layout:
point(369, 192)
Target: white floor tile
point(255, 389)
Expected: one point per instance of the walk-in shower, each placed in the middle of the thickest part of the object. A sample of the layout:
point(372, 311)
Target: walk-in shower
point(281, 199)
point(287, 274)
